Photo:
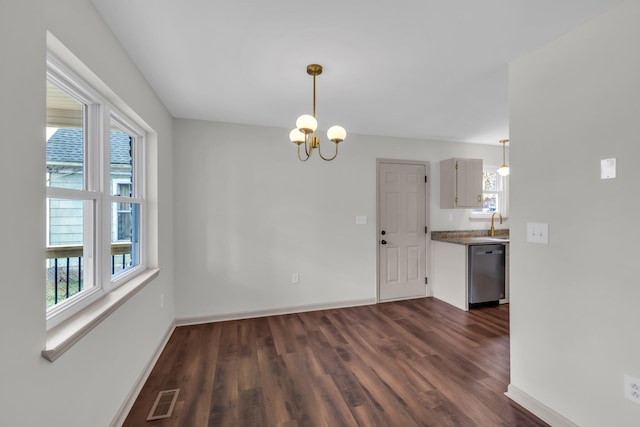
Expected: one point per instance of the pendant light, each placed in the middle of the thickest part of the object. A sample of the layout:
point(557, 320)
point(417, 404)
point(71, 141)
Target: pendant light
point(504, 169)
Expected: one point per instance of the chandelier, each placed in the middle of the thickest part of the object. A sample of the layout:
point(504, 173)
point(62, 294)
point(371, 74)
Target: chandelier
point(306, 125)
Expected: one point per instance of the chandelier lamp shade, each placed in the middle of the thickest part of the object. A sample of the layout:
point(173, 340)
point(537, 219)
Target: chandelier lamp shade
point(504, 169)
point(304, 133)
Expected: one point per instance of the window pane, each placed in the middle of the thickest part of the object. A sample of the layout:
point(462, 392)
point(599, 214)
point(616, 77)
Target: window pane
point(489, 202)
point(65, 140)
point(121, 161)
point(65, 262)
point(490, 181)
point(125, 237)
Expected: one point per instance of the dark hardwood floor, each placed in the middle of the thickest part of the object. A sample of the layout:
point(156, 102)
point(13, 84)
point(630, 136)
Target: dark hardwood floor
point(408, 363)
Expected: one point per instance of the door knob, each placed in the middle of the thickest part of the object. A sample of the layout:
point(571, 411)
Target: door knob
point(383, 242)
point(383, 232)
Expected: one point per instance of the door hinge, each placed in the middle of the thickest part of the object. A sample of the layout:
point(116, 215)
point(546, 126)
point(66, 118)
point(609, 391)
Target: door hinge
point(425, 178)
point(426, 280)
point(426, 230)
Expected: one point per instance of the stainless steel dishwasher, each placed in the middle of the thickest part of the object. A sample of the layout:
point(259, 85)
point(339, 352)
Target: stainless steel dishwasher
point(486, 273)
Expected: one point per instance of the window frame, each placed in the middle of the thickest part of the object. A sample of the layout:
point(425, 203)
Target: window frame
point(115, 210)
point(503, 195)
point(96, 191)
point(137, 196)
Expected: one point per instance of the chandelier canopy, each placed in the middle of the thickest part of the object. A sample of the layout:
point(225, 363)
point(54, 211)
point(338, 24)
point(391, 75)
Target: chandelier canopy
point(306, 125)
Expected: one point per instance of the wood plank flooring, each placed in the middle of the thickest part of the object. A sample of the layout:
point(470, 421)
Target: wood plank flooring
point(408, 363)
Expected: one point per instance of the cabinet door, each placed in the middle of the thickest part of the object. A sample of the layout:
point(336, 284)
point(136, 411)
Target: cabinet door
point(469, 183)
point(448, 184)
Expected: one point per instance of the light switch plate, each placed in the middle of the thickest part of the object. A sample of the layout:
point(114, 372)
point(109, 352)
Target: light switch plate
point(361, 219)
point(607, 169)
point(538, 233)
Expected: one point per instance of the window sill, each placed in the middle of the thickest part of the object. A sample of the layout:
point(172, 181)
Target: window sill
point(487, 217)
point(63, 336)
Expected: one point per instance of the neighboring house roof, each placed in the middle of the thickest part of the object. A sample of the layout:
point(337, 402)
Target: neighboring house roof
point(65, 146)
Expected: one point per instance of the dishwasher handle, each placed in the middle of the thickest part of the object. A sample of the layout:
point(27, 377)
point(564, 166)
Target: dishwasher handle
point(490, 252)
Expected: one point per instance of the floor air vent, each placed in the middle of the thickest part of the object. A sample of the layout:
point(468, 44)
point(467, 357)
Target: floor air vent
point(163, 406)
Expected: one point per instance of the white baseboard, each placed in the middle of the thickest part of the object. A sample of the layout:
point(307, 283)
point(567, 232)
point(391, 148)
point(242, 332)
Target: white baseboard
point(183, 321)
point(540, 410)
point(122, 413)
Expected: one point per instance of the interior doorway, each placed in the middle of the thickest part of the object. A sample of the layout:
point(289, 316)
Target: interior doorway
point(403, 212)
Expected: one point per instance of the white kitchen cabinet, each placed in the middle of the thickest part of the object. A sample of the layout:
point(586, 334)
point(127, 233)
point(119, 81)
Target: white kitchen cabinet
point(450, 274)
point(460, 183)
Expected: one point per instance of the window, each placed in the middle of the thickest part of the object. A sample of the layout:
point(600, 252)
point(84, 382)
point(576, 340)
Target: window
point(124, 198)
point(95, 195)
point(494, 194)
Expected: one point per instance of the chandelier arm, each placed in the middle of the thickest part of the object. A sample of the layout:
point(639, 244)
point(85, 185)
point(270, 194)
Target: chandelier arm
point(308, 150)
point(299, 157)
point(328, 159)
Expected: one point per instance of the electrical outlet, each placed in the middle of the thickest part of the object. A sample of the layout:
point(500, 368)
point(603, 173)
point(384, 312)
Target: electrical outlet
point(632, 389)
point(295, 278)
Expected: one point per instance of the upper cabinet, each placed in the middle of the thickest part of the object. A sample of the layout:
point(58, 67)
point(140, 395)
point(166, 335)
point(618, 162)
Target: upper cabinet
point(461, 183)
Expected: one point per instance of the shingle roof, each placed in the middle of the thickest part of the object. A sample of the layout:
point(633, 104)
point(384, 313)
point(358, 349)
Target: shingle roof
point(65, 146)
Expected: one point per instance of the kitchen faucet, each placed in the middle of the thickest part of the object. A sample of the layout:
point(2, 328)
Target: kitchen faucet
point(493, 230)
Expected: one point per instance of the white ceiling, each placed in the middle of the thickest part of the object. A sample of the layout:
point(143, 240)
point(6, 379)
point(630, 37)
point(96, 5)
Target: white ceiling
point(434, 69)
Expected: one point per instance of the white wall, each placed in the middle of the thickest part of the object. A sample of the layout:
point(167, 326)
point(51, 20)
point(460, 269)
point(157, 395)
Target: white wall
point(249, 214)
point(574, 303)
point(87, 385)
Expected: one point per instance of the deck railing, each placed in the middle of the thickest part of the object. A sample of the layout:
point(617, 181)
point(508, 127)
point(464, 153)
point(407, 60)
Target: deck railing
point(64, 269)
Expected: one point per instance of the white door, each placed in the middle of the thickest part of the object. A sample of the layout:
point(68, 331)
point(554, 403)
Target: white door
point(402, 242)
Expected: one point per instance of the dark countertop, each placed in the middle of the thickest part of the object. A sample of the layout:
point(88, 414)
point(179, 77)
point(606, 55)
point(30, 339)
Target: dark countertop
point(471, 237)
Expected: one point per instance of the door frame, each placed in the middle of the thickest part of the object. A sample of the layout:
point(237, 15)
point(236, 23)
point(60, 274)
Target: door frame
point(427, 214)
